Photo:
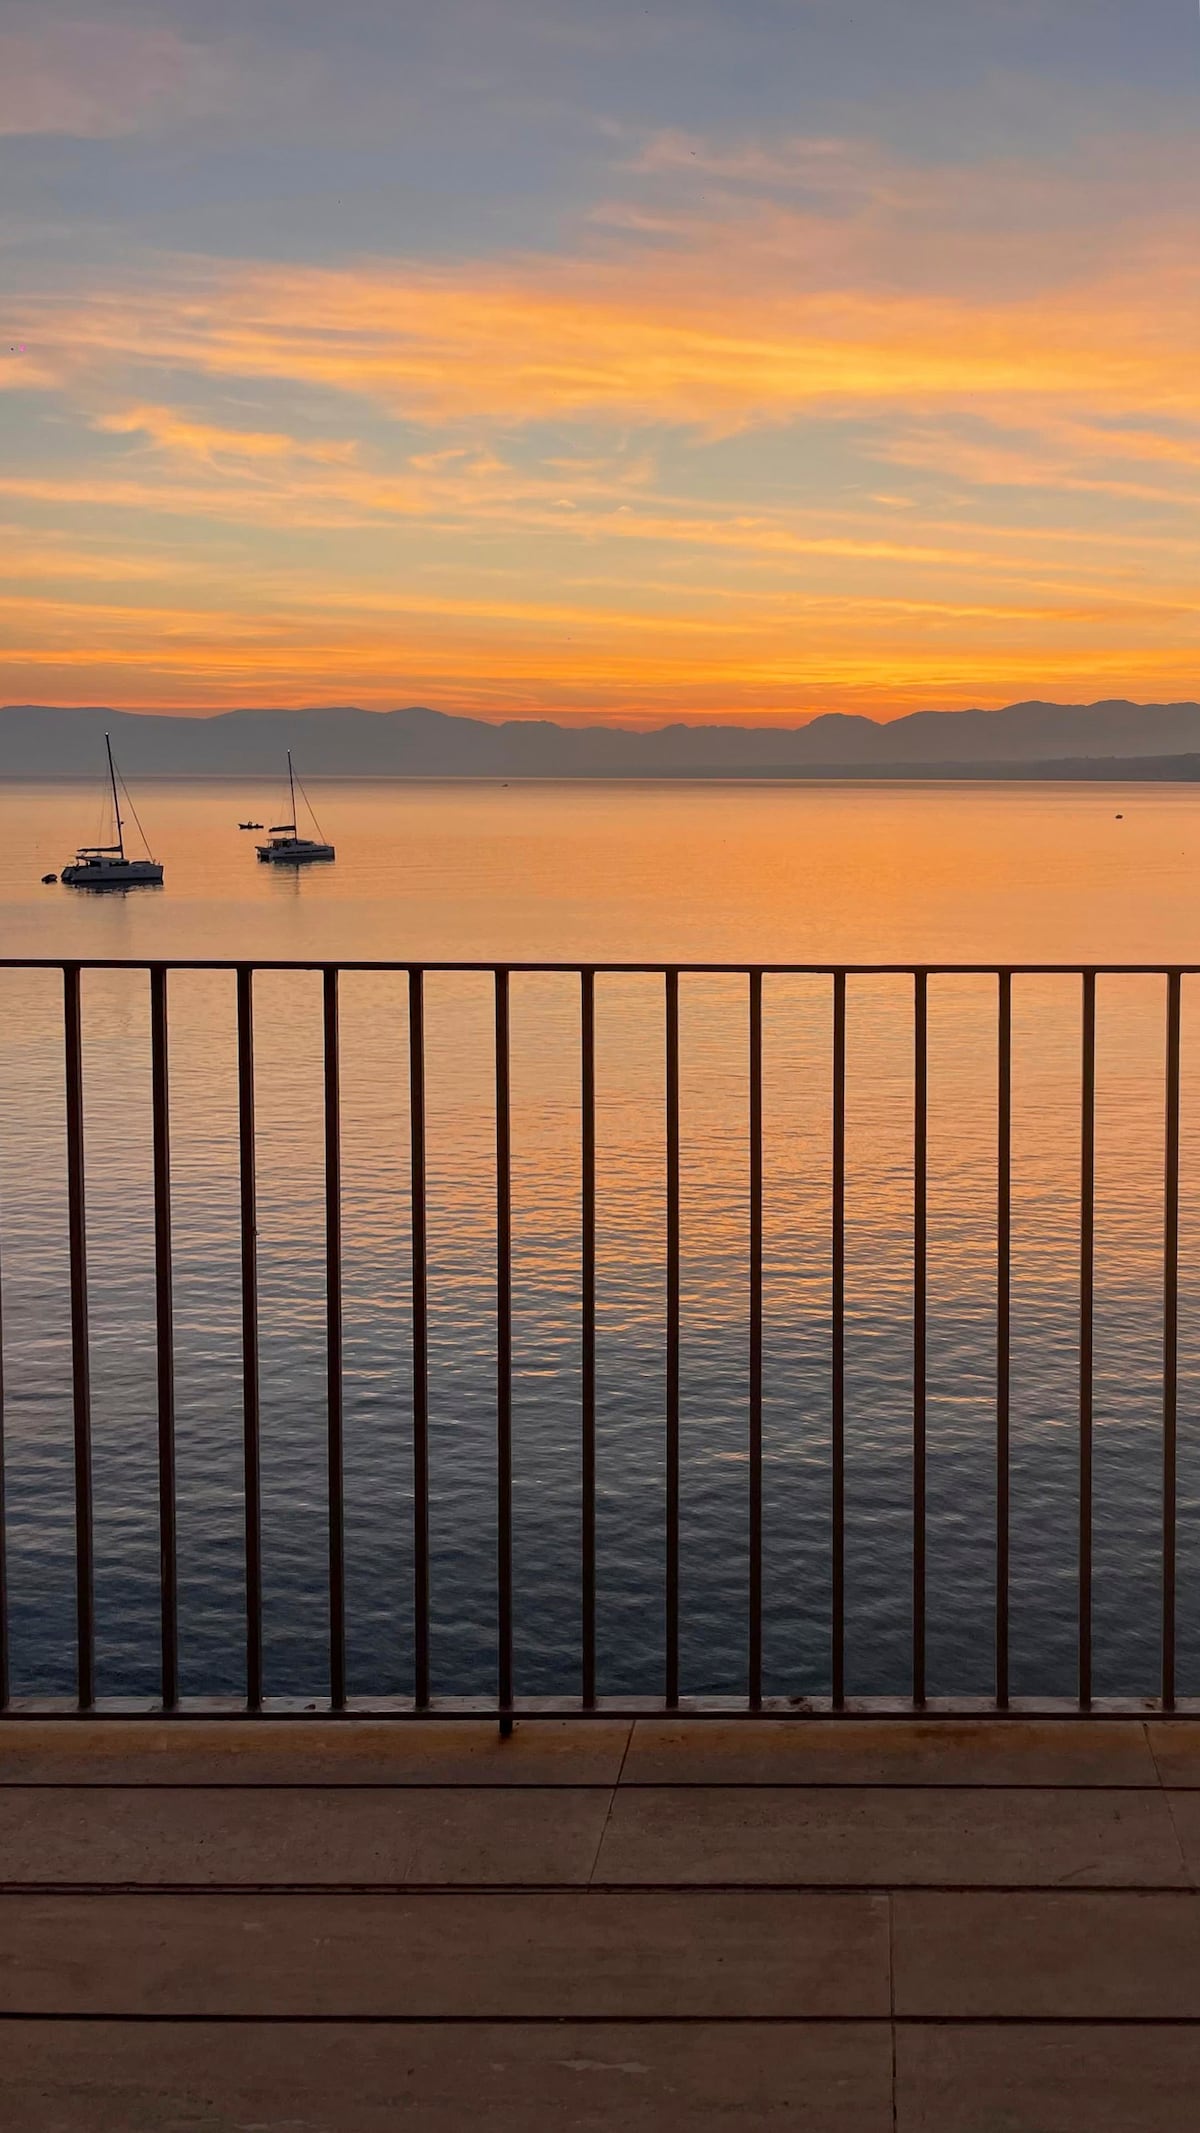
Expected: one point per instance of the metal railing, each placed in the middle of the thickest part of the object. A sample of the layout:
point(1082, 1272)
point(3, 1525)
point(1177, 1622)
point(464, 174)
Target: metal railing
point(506, 1703)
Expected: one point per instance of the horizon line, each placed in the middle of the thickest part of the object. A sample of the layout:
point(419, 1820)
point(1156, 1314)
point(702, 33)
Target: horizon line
point(586, 722)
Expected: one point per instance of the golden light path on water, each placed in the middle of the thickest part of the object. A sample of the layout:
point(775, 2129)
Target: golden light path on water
point(722, 873)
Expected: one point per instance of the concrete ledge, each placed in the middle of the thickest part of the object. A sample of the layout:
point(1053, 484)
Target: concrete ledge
point(1042, 1956)
point(871, 1926)
point(853, 1751)
point(1175, 1745)
point(891, 1837)
point(206, 1836)
point(1081, 2078)
point(512, 2077)
point(356, 1751)
point(717, 1955)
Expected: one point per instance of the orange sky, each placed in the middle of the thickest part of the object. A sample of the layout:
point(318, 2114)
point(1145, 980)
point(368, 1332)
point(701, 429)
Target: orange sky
point(646, 398)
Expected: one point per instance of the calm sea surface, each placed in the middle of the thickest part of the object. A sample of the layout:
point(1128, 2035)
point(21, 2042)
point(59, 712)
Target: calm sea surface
point(754, 873)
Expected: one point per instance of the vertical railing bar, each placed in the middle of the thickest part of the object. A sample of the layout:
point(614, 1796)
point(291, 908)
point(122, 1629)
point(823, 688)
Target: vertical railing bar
point(1170, 1337)
point(1087, 1257)
point(671, 1668)
point(85, 1636)
point(1003, 1330)
point(5, 1677)
point(251, 1454)
point(587, 988)
point(164, 1316)
point(838, 1350)
point(920, 1287)
point(756, 1340)
point(333, 1343)
point(504, 1353)
point(420, 1337)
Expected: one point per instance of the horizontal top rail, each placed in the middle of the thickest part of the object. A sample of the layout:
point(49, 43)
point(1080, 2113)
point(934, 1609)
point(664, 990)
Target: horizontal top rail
point(407, 964)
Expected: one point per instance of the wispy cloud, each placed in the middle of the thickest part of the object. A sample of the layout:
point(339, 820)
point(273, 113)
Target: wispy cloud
point(101, 79)
point(744, 311)
point(780, 423)
point(189, 439)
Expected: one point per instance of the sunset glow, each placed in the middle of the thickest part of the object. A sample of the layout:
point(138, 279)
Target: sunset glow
point(538, 362)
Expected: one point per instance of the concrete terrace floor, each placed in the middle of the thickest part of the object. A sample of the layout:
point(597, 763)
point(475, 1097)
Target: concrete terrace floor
point(852, 1927)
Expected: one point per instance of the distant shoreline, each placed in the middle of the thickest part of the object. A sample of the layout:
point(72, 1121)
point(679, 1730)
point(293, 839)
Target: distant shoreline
point(1085, 770)
point(1023, 742)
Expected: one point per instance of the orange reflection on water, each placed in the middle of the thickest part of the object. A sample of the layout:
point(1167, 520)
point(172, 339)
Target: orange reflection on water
point(763, 872)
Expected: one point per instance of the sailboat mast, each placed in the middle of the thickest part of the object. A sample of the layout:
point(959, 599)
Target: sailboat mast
point(116, 803)
point(292, 790)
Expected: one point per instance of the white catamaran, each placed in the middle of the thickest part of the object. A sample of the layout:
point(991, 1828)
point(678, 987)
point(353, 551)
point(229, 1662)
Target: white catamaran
point(108, 866)
point(285, 847)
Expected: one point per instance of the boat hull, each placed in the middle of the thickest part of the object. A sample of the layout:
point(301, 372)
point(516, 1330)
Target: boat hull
point(113, 874)
point(294, 854)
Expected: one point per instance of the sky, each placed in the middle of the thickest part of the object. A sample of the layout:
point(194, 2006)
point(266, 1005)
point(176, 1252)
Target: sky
point(705, 359)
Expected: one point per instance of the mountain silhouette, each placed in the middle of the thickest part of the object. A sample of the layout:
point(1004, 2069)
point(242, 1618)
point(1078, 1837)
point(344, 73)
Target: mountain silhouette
point(39, 740)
